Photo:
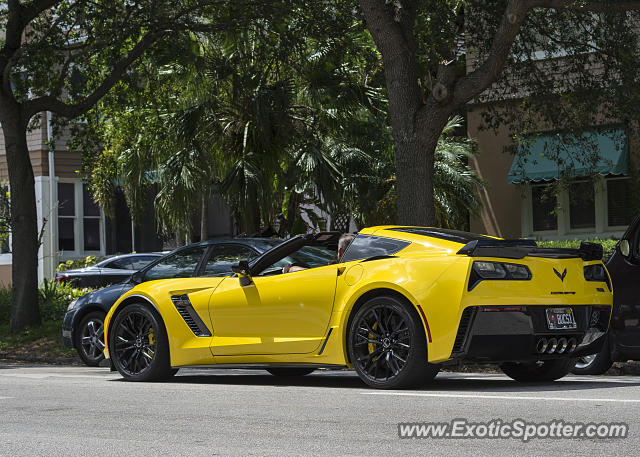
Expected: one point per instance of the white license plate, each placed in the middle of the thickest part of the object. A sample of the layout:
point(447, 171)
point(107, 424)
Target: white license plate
point(561, 319)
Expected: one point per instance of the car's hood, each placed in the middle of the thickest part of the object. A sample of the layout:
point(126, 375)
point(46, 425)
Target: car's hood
point(107, 295)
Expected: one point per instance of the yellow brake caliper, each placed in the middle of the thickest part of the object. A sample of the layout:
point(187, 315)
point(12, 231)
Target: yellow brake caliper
point(371, 346)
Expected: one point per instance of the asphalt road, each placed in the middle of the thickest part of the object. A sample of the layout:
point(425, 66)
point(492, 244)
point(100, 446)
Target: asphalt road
point(64, 411)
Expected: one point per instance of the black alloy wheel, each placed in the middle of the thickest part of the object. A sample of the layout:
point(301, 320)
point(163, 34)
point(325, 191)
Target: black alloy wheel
point(90, 338)
point(387, 345)
point(139, 346)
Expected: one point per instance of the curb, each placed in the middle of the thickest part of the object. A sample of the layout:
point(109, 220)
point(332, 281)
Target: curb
point(48, 360)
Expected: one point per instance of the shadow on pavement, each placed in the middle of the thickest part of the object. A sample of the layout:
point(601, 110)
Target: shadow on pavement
point(444, 382)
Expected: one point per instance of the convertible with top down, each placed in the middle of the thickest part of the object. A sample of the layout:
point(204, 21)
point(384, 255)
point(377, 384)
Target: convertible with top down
point(396, 306)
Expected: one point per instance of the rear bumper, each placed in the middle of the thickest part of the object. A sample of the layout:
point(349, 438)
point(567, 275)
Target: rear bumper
point(501, 336)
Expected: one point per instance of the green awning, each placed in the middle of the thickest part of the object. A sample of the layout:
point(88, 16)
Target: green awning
point(548, 157)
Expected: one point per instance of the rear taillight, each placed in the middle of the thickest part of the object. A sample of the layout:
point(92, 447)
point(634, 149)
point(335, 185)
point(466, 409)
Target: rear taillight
point(62, 278)
point(503, 308)
point(597, 273)
point(485, 270)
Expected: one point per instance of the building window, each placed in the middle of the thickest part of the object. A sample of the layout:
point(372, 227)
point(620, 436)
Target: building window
point(619, 210)
point(582, 211)
point(66, 216)
point(603, 207)
point(90, 221)
point(80, 223)
point(543, 203)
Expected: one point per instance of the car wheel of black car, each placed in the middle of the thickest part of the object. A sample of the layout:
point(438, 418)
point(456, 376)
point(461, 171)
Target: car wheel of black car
point(290, 371)
point(594, 364)
point(387, 345)
point(139, 346)
point(540, 371)
point(90, 338)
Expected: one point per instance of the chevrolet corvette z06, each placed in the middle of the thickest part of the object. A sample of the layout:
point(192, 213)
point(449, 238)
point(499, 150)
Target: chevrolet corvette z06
point(396, 306)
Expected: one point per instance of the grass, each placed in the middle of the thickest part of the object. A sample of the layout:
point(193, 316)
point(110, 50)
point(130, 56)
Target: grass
point(41, 341)
point(45, 340)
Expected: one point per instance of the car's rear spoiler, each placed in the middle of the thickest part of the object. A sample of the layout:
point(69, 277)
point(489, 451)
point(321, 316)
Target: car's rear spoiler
point(518, 249)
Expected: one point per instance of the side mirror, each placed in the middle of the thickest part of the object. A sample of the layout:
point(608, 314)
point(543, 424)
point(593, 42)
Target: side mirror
point(625, 249)
point(242, 270)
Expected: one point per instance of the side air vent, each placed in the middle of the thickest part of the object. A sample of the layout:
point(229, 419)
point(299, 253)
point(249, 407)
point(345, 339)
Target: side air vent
point(185, 308)
point(463, 330)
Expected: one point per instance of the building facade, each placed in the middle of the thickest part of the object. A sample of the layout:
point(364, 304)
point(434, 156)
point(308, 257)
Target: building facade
point(595, 201)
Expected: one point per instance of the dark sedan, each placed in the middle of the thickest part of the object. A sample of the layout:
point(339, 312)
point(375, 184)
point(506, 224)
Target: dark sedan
point(108, 271)
point(82, 326)
point(623, 342)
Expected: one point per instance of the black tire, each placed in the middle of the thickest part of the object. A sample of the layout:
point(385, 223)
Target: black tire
point(541, 371)
point(139, 346)
point(89, 338)
point(596, 364)
point(290, 372)
point(387, 345)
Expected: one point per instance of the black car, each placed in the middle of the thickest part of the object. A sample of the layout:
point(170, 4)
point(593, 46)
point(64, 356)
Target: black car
point(623, 342)
point(108, 271)
point(82, 326)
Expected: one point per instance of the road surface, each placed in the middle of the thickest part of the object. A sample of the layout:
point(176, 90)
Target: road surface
point(69, 411)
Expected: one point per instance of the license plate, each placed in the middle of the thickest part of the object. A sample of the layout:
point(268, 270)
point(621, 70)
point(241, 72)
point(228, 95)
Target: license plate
point(560, 319)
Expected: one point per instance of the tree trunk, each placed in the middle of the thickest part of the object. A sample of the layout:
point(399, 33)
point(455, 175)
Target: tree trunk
point(414, 158)
point(25, 310)
point(416, 126)
point(204, 216)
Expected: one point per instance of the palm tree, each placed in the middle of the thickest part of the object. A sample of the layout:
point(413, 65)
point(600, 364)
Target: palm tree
point(456, 184)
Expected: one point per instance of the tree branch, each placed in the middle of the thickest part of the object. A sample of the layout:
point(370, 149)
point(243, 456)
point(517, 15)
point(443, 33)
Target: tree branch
point(49, 103)
point(33, 9)
point(483, 76)
point(588, 5)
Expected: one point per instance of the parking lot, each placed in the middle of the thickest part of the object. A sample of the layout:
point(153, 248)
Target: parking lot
point(50, 410)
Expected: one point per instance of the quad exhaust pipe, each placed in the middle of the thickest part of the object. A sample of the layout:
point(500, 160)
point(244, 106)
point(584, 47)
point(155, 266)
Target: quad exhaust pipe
point(556, 346)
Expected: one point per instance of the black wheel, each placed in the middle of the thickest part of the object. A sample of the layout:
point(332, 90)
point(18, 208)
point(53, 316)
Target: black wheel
point(540, 371)
point(139, 346)
point(286, 372)
point(594, 364)
point(387, 345)
point(89, 337)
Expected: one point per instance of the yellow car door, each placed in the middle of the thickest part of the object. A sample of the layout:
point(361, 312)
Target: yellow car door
point(279, 314)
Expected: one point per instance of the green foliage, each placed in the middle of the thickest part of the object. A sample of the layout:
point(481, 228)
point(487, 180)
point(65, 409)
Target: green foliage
point(54, 298)
point(455, 185)
point(555, 90)
point(79, 263)
point(278, 117)
point(5, 304)
point(608, 245)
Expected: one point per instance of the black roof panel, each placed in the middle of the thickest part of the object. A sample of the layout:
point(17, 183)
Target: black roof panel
point(457, 236)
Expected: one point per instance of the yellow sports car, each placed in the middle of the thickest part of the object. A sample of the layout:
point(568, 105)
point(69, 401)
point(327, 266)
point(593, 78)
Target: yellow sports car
point(398, 304)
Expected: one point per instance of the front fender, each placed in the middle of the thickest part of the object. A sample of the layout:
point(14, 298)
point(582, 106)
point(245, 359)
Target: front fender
point(184, 346)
